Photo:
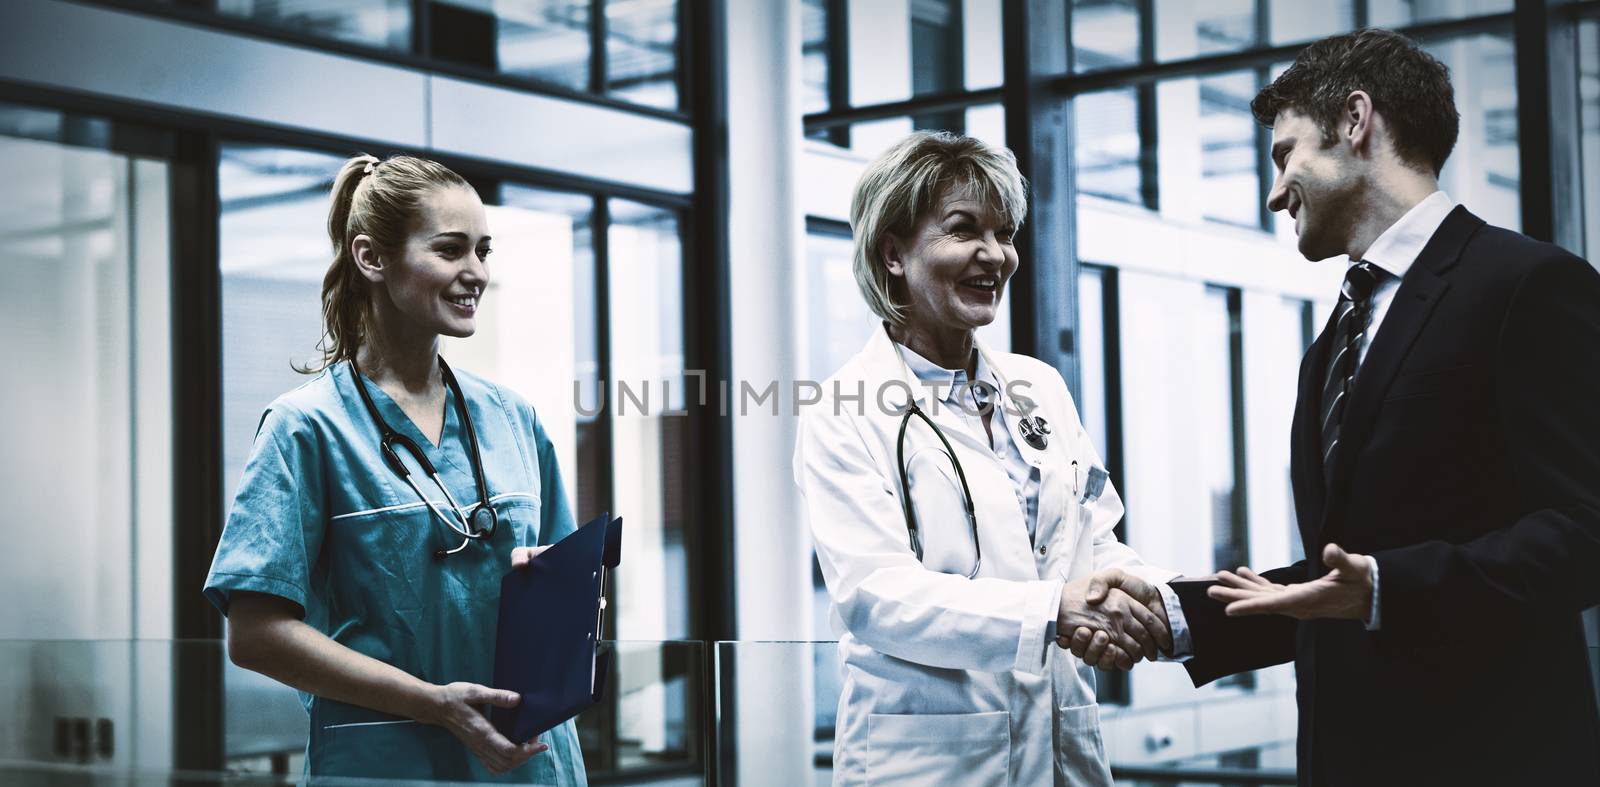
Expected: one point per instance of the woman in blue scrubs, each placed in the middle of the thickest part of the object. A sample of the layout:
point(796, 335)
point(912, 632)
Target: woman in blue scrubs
point(327, 567)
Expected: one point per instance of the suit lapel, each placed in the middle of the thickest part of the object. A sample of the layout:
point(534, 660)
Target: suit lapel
point(1420, 291)
point(1306, 430)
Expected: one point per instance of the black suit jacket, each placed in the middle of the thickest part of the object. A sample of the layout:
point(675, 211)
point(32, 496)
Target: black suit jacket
point(1469, 467)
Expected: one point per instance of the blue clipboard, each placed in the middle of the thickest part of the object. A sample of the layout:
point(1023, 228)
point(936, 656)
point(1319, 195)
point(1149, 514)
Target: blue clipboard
point(547, 642)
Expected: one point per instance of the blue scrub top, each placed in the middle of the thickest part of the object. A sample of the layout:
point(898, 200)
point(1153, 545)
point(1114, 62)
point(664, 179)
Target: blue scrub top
point(321, 520)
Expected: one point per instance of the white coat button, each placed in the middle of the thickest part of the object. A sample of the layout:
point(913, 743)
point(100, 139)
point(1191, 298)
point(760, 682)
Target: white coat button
point(1041, 550)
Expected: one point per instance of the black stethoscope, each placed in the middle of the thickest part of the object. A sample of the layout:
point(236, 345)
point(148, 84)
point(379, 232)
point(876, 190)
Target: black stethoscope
point(1035, 432)
point(481, 523)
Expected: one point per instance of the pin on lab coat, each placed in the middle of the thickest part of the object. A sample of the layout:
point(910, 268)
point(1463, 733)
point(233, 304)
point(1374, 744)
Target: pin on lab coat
point(950, 680)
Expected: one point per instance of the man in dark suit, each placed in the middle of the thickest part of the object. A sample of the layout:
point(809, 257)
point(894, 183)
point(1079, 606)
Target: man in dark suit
point(1447, 433)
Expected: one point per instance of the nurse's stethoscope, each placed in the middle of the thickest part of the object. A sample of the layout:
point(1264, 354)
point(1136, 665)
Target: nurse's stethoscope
point(483, 520)
point(1035, 432)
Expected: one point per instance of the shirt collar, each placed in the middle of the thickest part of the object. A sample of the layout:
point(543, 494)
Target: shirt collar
point(951, 382)
point(1400, 245)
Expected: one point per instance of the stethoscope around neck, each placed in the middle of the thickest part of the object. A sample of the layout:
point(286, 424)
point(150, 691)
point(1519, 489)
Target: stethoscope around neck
point(1034, 429)
point(481, 523)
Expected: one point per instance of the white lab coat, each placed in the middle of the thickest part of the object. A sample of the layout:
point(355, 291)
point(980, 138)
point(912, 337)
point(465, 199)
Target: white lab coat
point(950, 680)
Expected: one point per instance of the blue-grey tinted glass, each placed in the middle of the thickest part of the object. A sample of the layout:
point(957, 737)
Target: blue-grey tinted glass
point(1289, 21)
point(1093, 362)
point(77, 222)
point(1399, 13)
point(274, 252)
point(642, 51)
point(813, 56)
point(1105, 34)
point(649, 387)
point(1589, 98)
point(1229, 154)
point(571, 226)
point(544, 40)
point(385, 24)
point(1108, 144)
point(1214, 365)
point(1484, 172)
point(1224, 25)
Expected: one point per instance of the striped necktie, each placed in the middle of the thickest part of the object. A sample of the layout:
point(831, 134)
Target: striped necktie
point(1355, 311)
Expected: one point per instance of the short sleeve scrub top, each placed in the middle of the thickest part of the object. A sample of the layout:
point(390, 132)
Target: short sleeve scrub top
point(321, 520)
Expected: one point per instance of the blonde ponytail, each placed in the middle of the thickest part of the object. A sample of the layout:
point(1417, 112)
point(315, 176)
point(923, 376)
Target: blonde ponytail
point(379, 199)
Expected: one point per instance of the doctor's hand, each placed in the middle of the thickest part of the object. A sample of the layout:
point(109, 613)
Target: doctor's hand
point(456, 708)
point(1344, 592)
point(1107, 626)
point(1100, 586)
point(522, 557)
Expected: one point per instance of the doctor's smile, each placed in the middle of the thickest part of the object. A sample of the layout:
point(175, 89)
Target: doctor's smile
point(965, 538)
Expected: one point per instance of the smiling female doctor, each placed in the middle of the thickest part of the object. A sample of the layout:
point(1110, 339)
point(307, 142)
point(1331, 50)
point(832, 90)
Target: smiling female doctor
point(957, 505)
point(348, 568)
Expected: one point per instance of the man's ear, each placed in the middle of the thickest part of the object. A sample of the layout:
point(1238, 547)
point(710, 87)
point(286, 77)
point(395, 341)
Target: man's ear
point(889, 247)
point(1358, 123)
point(368, 261)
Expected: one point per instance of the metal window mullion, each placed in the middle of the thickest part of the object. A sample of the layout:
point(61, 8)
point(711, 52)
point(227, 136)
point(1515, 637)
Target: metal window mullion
point(939, 102)
point(597, 47)
point(709, 533)
point(1536, 161)
point(197, 437)
point(422, 28)
point(837, 13)
point(1039, 130)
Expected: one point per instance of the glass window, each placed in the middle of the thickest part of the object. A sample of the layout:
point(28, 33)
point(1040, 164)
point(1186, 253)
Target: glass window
point(918, 47)
point(1308, 335)
point(1399, 13)
point(1220, 388)
point(1192, 28)
point(814, 72)
point(642, 51)
point(1589, 100)
point(542, 259)
point(1111, 157)
point(1484, 171)
point(1220, 368)
point(651, 457)
point(274, 251)
point(1093, 338)
point(838, 320)
point(85, 230)
point(1107, 33)
point(543, 40)
point(1230, 149)
point(1289, 21)
point(649, 440)
point(1224, 25)
point(385, 24)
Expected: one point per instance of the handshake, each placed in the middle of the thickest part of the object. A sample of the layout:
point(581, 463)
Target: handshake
point(1112, 620)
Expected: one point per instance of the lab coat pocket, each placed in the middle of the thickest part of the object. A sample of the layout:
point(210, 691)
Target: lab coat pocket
point(952, 748)
point(1080, 751)
point(941, 512)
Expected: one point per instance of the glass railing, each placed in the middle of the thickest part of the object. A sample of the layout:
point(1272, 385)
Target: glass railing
point(777, 703)
point(121, 712)
point(674, 713)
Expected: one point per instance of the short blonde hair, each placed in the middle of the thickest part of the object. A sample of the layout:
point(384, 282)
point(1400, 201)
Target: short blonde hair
point(903, 184)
